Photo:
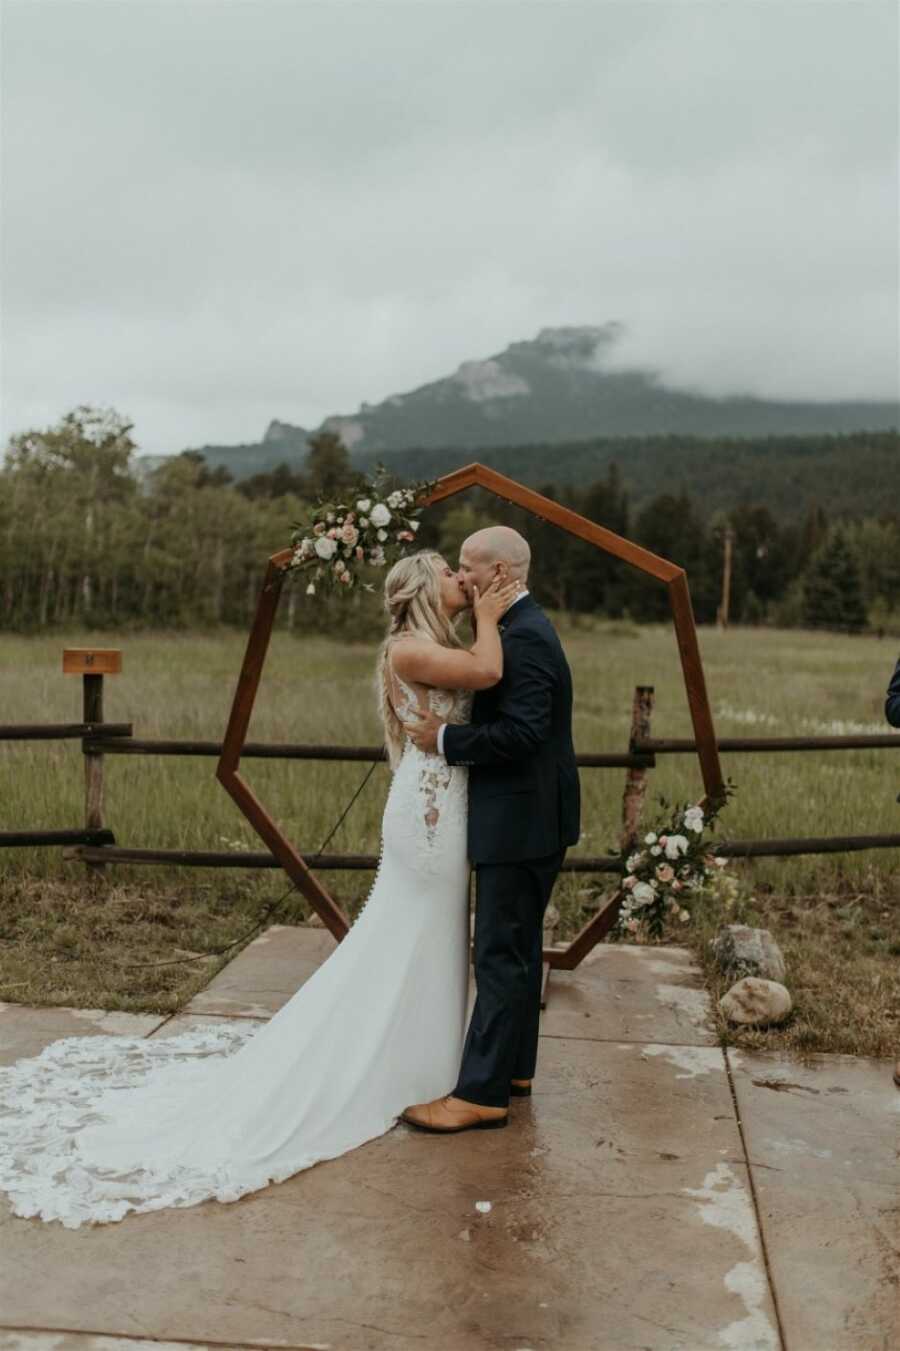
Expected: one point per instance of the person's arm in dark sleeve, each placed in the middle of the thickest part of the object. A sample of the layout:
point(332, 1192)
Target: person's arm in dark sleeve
point(523, 720)
point(892, 702)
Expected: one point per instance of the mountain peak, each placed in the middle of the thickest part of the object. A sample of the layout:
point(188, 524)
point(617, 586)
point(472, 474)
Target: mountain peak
point(578, 340)
point(558, 387)
point(283, 431)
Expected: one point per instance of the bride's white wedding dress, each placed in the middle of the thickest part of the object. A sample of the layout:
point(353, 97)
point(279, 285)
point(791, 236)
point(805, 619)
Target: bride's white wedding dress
point(98, 1126)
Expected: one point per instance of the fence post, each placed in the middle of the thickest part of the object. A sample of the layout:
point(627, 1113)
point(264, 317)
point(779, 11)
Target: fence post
point(636, 779)
point(92, 664)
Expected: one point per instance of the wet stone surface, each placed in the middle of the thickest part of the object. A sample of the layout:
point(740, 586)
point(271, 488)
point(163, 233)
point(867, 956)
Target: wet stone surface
point(615, 1211)
point(268, 972)
point(824, 1146)
point(25, 1031)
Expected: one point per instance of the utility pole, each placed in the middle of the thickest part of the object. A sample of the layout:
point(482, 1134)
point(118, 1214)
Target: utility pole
point(724, 604)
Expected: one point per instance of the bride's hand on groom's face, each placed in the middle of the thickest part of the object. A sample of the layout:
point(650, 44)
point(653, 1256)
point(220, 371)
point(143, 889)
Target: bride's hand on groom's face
point(423, 730)
point(493, 603)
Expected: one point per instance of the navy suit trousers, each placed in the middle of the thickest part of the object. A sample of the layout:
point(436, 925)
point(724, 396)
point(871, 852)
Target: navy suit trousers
point(502, 1040)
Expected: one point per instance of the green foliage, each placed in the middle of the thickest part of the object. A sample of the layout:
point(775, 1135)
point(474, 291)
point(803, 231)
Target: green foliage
point(328, 469)
point(833, 589)
point(789, 475)
point(86, 539)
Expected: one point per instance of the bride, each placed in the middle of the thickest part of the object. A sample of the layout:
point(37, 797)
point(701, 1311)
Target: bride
point(95, 1127)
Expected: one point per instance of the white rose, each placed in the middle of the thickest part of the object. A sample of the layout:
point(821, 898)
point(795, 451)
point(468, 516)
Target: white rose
point(676, 845)
point(311, 589)
point(650, 839)
point(395, 500)
point(684, 916)
point(632, 862)
point(693, 819)
point(655, 849)
point(381, 536)
point(414, 525)
point(379, 515)
point(326, 548)
point(364, 504)
point(643, 894)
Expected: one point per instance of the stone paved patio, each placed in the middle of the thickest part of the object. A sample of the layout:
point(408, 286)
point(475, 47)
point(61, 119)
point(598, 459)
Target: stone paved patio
point(653, 1194)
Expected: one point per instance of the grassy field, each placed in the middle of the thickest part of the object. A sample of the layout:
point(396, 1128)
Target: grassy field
point(175, 685)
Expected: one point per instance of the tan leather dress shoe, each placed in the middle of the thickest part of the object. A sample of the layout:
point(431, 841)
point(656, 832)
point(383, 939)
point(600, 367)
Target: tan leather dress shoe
point(447, 1116)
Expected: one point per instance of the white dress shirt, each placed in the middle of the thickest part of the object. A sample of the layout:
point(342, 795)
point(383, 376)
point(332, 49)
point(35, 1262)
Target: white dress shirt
point(442, 728)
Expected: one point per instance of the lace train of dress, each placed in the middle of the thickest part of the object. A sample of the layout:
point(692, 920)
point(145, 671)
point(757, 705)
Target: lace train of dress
point(95, 1127)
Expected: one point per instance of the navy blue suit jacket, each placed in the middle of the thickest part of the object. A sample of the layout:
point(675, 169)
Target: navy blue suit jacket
point(892, 702)
point(524, 795)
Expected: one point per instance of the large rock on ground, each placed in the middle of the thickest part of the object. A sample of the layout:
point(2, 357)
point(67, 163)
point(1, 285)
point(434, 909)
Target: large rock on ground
point(742, 951)
point(755, 1002)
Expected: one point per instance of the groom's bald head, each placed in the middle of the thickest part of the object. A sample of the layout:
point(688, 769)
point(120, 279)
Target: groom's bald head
point(498, 549)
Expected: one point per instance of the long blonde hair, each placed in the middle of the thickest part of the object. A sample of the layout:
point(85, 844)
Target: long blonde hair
point(412, 599)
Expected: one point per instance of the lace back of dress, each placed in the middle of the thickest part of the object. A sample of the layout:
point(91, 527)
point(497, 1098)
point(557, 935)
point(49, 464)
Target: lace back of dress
point(434, 777)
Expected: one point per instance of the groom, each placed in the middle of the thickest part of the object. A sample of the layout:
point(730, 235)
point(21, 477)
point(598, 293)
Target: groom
point(523, 812)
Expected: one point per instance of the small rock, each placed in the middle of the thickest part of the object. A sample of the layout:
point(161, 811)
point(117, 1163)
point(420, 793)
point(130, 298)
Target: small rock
point(483, 1206)
point(756, 1002)
point(742, 951)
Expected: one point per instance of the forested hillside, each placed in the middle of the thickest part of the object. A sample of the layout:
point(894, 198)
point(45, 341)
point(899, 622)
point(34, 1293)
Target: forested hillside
point(857, 474)
point(86, 540)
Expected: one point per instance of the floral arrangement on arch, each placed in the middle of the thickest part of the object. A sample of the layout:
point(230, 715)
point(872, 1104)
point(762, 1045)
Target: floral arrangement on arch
point(666, 873)
point(370, 529)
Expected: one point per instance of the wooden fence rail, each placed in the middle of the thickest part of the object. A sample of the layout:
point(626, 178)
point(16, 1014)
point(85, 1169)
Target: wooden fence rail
point(94, 844)
point(738, 744)
point(62, 731)
point(577, 863)
point(287, 750)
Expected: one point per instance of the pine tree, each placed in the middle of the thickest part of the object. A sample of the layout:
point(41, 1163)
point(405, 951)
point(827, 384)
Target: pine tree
point(832, 593)
point(328, 469)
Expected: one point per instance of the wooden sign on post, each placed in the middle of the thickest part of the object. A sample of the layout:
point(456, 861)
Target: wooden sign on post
point(92, 664)
point(92, 661)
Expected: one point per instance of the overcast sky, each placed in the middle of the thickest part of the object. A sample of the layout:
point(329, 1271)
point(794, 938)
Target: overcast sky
point(217, 212)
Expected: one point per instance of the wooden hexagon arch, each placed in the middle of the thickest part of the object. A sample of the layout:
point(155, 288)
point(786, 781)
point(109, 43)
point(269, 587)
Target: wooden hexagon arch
point(472, 476)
